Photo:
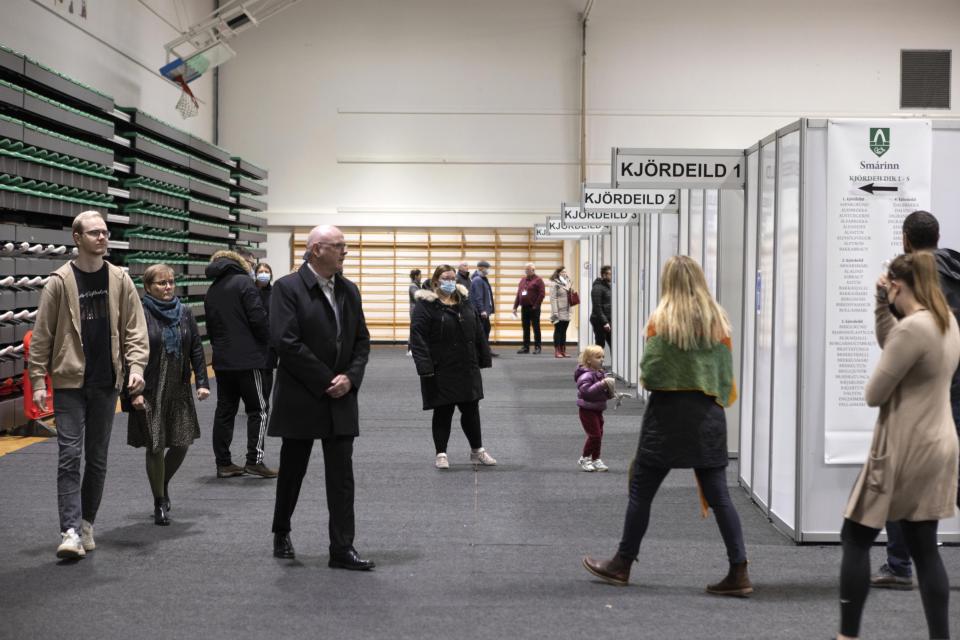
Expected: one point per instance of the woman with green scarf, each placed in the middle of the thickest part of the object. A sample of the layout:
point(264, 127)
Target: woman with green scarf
point(687, 366)
point(163, 417)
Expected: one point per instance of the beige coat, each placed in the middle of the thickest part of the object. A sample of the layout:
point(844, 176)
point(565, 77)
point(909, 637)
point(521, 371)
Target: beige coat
point(56, 347)
point(911, 473)
point(559, 302)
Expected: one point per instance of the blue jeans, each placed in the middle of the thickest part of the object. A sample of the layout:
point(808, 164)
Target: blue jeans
point(898, 557)
point(84, 421)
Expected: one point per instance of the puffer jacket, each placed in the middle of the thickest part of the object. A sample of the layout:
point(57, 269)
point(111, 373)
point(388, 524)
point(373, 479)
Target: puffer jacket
point(592, 391)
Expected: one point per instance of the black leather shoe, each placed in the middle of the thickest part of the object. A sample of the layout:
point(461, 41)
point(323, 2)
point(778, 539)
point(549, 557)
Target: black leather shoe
point(536, 349)
point(524, 350)
point(349, 559)
point(160, 513)
point(282, 547)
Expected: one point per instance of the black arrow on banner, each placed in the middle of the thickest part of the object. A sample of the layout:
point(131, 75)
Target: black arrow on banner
point(869, 188)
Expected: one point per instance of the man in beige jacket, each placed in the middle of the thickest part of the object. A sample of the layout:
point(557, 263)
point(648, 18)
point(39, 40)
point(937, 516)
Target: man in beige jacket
point(90, 331)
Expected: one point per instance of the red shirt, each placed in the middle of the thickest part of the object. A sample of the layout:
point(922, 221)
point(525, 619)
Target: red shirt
point(530, 292)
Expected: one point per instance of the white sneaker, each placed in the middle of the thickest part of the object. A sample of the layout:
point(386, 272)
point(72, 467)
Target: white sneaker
point(86, 536)
point(598, 465)
point(586, 464)
point(480, 456)
point(442, 462)
point(70, 546)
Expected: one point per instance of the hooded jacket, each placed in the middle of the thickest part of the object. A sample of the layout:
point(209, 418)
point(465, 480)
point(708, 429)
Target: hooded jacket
point(56, 347)
point(601, 302)
point(948, 264)
point(237, 323)
point(592, 391)
point(449, 348)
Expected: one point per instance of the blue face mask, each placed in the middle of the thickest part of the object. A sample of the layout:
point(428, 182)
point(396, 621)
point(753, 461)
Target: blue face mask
point(263, 277)
point(448, 286)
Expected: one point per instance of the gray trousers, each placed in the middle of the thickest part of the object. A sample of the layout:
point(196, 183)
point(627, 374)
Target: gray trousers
point(84, 421)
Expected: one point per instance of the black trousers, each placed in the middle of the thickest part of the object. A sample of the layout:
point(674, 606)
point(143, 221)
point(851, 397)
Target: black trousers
point(601, 336)
point(338, 471)
point(469, 422)
point(253, 387)
point(921, 540)
point(644, 482)
point(485, 323)
point(530, 317)
point(560, 333)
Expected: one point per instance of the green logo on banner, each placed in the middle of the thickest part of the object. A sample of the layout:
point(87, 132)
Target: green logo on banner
point(879, 140)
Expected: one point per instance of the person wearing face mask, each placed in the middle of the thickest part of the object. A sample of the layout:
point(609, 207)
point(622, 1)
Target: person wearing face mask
point(263, 276)
point(921, 232)
point(239, 332)
point(911, 473)
point(481, 296)
point(449, 350)
point(560, 310)
point(163, 416)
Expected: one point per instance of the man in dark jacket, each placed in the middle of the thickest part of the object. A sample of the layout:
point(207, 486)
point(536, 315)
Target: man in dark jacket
point(601, 303)
point(321, 339)
point(921, 232)
point(463, 275)
point(530, 294)
point(481, 295)
point(239, 334)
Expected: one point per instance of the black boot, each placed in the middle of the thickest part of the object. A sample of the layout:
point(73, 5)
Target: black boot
point(616, 571)
point(166, 499)
point(282, 547)
point(537, 349)
point(160, 513)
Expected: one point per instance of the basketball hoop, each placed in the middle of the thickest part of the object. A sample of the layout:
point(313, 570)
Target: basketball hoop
point(187, 105)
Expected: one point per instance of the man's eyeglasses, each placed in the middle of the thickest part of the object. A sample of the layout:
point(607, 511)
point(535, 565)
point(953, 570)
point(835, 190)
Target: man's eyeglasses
point(96, 233)
point(340, 246)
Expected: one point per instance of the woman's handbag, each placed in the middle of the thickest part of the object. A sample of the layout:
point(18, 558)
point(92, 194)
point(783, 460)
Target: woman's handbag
point(574, 298)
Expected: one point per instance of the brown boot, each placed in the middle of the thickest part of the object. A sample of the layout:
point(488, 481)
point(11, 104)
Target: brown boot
point(615, 571)
point(737, 582)
point(563, 352)
point(556, 352)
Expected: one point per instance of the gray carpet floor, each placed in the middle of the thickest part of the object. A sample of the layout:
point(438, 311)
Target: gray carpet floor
point(486, 553)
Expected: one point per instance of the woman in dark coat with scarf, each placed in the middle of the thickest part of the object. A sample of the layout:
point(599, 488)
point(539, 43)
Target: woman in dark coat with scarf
point(688, 368)
point(163, 416)
point(449, 348)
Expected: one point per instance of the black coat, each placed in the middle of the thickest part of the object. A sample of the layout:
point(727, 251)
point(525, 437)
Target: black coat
point(265, 293)
point(601, 302)
point(449, 348)
point(189, 343)
point(304, 334)
point(683, 430)
point(237, 323)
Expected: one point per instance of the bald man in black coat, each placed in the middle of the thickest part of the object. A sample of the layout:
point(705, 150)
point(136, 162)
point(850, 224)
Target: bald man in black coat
point(322, 342)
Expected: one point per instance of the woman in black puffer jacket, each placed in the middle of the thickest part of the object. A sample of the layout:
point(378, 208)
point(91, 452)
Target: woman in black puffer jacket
point(449, 348)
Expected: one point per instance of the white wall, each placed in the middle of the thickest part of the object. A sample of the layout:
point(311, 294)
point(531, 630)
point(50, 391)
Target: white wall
point(373, 112)
point(116, 49)
point(700, 73)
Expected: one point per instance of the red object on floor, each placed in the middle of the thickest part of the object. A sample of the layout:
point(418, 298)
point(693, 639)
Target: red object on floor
point(32, 411)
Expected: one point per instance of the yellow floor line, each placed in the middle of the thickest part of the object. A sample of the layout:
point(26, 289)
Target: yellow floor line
point(9, 444)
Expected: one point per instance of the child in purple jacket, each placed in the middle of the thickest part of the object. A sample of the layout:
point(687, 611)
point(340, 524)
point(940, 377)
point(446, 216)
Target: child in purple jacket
point(593, 389)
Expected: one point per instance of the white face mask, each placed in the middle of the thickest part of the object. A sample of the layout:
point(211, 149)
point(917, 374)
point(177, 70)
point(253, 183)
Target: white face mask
point(263, 277)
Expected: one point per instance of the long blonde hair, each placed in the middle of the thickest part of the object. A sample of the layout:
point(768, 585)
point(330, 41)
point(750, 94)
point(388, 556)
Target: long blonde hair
point(919, 271)
point(687, 315)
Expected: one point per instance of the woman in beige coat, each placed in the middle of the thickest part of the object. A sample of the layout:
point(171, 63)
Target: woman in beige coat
point(911, 473)
point(560, 310)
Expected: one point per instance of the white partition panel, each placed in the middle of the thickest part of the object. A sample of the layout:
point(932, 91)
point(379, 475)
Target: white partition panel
point(784, 422)
point(763, 348)
point(638, 252)
point(683, 224)
point(750, 312)
point(730, 278)
point(620, 301)
point(695, 229)
point(711, 208)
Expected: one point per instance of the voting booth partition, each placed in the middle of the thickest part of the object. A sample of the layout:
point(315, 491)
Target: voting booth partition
point(825, 201)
